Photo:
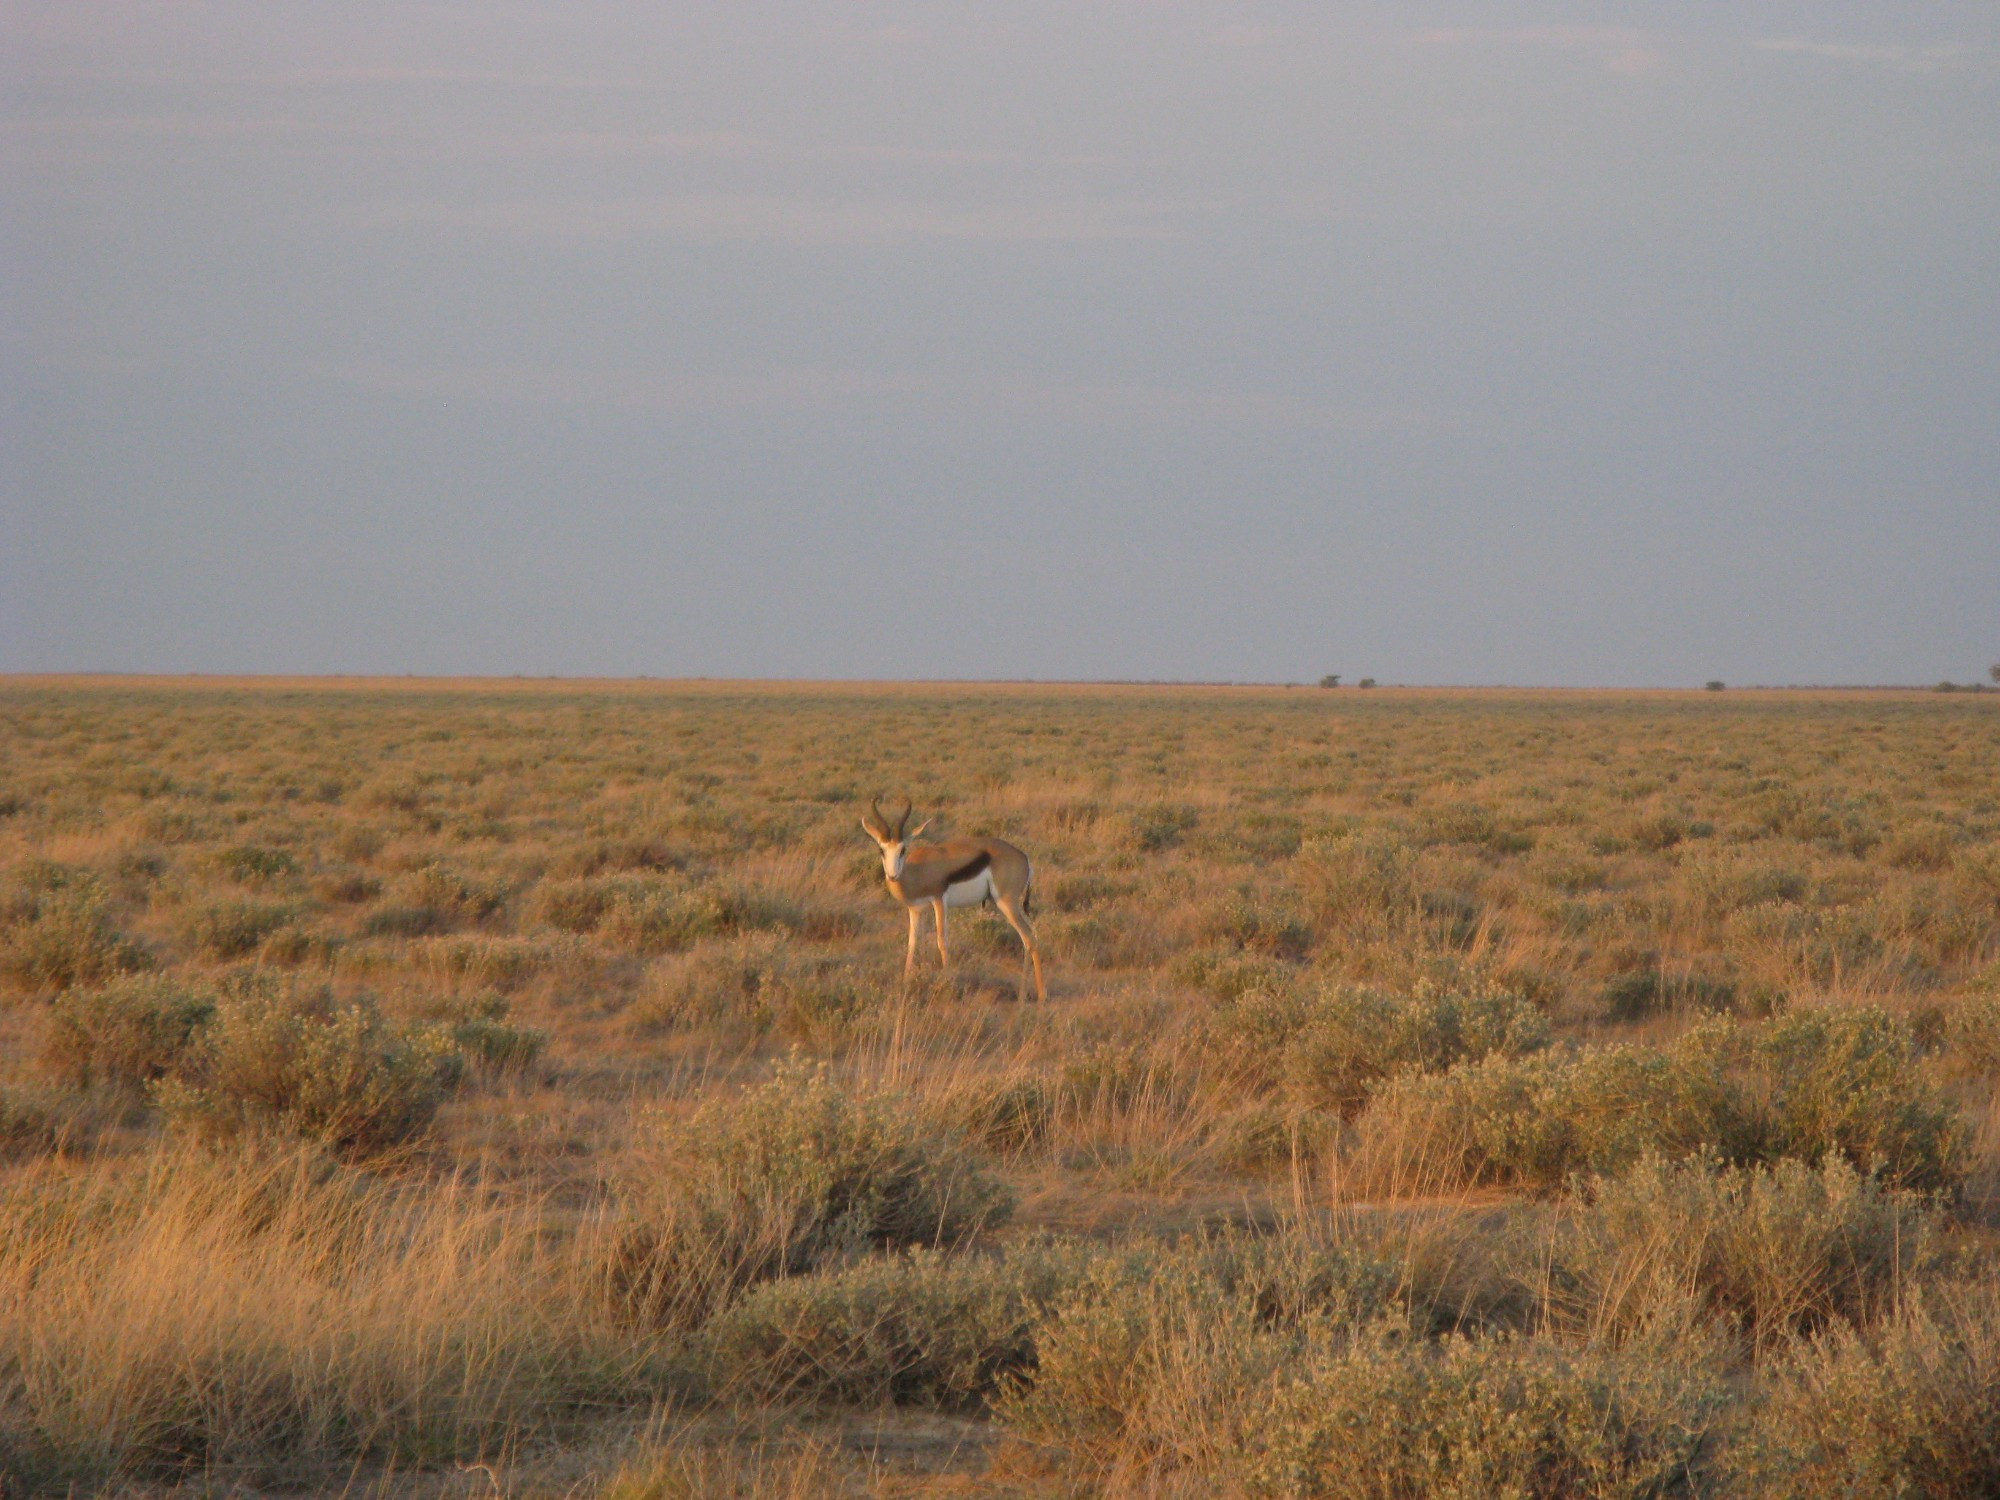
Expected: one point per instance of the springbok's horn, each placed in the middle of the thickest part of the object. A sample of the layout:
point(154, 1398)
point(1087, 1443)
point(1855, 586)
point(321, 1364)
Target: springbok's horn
point(903, 821)
point(880, 824)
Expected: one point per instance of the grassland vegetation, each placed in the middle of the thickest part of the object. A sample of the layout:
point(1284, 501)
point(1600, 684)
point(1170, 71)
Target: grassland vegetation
point(1477, 1094)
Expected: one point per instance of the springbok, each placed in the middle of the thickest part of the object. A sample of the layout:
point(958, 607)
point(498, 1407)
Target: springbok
point(958, 872)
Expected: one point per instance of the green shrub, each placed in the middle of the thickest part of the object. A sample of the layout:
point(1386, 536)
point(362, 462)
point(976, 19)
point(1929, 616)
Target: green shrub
point(1331, 1047)
point(56, 931)
point(1255, 925)
point(477, 1026)
point(124, 1035)
point(230, 928)
point(1909, 1408)
point(1352, 1039)
point(920, 1329)
point(742, 982)
point(1286, 1367)
point(821, 1002)
point(574, 905)
point(440, 888)
point(1972, 1032)
point(1156, 1368)
point(497, 1046)
point(1383, 1416)
point(653, 914)
point(1228, 975)
point(1848, 1081)
point(1361, 884)
point(294, 1060)
point(1538, 1120)
point(253, 863)
point(1771, 1250)
point(755, 983)
point(490, 962)
point(1160, 1352)
point(787, 1177)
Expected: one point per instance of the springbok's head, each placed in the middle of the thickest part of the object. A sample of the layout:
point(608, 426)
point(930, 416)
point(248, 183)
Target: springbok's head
point(890, 837)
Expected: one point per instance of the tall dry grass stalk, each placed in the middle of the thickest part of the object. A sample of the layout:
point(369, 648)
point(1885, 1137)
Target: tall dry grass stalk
point(262, 1314)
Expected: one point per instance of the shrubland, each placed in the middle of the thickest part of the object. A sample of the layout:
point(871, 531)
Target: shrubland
point(1439, 1094)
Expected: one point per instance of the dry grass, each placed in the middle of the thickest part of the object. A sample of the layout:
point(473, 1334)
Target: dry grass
point(591, 994)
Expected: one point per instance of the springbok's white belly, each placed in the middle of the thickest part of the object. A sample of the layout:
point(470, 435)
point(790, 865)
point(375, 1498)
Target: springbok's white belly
point(970, 892)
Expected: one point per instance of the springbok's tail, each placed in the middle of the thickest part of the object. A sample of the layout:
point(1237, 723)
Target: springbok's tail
point(1028, 894)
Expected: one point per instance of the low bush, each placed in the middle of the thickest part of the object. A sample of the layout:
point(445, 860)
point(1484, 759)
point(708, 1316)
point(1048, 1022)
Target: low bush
point(1972, 1034)
point(1383, 1416)
point(124, 1035)
point(496, 1045)
point(254, 863)
point(1540, 1119)
point(451, 895)
point(56, 931)
point(1329, 1048)
point(485, 962)
point(793, 1175)
point(1911, 1407)
point(1158, 1354)
point(295, 1060)
point(1810, 1085)
point(1770, 1250)
point(1847, 1081)
point(754, 984)
point(653, 914)
point(1362, 885)
point(741, 983)
point(1227, 975)
point(1286, 1367)
point(230, 928)
point(919, 1329)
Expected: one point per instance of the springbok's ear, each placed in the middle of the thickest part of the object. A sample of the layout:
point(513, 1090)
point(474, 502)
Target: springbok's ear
point(914, 832)
point(869, 829)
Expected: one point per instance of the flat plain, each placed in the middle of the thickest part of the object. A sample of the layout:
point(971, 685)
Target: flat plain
point(457, 1088)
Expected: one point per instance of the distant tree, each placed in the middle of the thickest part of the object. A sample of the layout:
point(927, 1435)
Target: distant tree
point(1714, 684)
point(1947, 686)
point(1332, 679)
point(1994, 671)
point(1367, 682)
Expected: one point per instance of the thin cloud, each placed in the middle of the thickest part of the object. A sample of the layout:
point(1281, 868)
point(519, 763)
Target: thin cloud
point(1930, 59)
point(360, 75)
point(737, 146)
point(207, 126)
point(855, 392)
point(1623, 49)
point(780, 219)
point(1532, 36)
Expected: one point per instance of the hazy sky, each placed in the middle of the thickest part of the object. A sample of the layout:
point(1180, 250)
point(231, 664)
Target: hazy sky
point(1614, 344)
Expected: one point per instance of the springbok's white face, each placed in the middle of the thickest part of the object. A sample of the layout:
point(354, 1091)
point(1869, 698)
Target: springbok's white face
point(892, 859)
point(890, 839)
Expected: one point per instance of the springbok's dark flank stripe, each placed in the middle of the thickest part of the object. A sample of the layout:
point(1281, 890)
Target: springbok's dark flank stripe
point(967, 870)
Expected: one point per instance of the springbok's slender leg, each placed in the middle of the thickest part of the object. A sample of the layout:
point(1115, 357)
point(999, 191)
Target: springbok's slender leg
point(944, 954)
point(910, 957)
point(1030, 954)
